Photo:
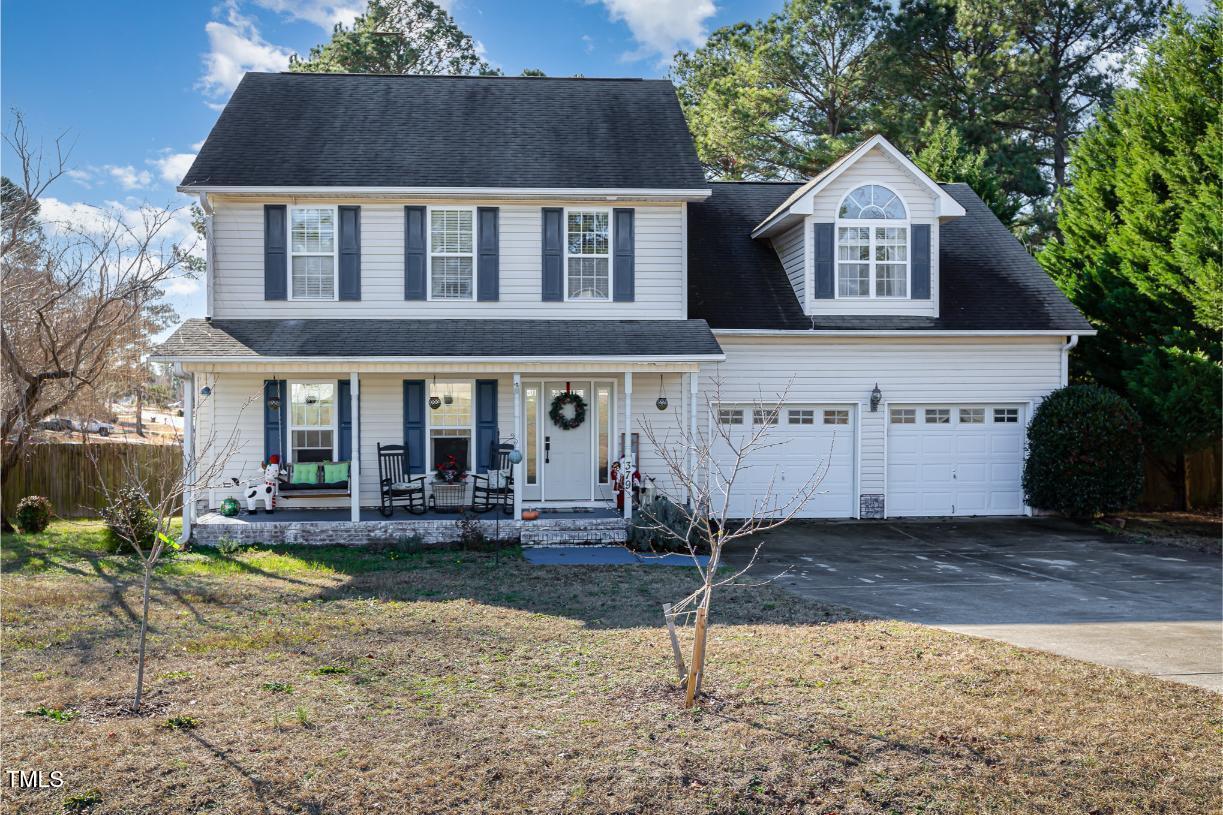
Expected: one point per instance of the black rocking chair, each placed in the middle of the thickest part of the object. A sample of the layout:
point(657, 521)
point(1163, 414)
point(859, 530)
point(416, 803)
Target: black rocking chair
point(398, 488)
point(486, 493)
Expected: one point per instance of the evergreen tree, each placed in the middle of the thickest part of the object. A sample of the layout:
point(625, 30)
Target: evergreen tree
point(946, 157)
point(396, 37)
point(1142, 236)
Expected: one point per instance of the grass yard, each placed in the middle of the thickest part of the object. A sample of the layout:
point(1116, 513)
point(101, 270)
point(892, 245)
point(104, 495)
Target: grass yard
point(341, 681)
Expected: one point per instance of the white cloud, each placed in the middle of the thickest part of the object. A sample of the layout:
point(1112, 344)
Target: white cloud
point(63, 217)
point(235, 48)
point(173, 166)
point(661, 27)
point(129, 177)
point(323, 14)
point(182, 286)
point(588, 43)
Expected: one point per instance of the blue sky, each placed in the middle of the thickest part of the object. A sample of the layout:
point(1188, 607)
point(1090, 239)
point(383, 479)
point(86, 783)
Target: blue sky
point(136, 85)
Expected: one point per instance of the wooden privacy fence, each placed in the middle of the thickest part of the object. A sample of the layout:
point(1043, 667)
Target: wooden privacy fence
point(72, 475)
point(1203, 488)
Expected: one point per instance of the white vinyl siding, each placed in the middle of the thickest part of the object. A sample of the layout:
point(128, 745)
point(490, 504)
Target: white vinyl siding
point(658, 267)
point(876, 167)
point(914, 371)
point(789, 247)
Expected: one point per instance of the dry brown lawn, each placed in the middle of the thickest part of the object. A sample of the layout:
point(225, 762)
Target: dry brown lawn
point(463, 683)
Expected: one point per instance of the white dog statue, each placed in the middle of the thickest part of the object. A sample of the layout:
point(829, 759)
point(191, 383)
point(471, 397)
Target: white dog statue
point(264, 490)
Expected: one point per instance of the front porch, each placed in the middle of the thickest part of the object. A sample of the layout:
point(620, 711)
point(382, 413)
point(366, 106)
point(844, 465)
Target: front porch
point(335, 527)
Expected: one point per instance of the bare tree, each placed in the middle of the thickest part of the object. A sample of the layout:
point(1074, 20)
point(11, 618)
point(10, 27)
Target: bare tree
point(141, 511)
point(79, 297)
point(706, 468)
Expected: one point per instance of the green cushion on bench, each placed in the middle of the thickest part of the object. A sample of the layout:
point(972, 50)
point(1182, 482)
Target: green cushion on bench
point(304, 474)
point(335, 473)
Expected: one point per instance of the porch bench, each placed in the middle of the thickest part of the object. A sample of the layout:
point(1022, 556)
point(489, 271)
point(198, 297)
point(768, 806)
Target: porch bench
point(294, 486)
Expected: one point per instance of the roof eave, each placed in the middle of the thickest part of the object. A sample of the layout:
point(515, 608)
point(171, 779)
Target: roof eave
point(436, 360)
point(903, 332)
point(523, 193)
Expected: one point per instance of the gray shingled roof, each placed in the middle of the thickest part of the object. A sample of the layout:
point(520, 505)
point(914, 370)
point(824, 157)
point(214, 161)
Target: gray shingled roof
point(987, 280)
point(446, 131)
point(247, 339)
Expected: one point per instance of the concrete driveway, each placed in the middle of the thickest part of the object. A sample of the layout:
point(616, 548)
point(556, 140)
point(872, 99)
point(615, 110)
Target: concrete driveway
point(1037, 583)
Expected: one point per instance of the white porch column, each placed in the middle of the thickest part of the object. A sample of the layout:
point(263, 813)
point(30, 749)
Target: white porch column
point(694, 386)
point(519, 480)
point(188, 453)
point(354, 467)
point(629, 464)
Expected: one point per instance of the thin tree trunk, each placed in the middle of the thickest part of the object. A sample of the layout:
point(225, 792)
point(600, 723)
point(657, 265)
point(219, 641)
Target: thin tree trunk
point(139, 411)
point(144, 627)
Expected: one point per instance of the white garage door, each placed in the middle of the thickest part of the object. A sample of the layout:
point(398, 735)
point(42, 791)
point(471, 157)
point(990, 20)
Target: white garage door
point(800, 440)
point(955, 460)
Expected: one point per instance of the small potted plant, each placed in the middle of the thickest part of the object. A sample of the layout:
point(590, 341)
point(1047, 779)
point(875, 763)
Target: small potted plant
point(449, 486)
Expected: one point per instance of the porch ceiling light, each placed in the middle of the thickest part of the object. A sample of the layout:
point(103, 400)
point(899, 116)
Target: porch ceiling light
point(876, 396)
point(435, 401)
point(205, 391)
point(661, 402)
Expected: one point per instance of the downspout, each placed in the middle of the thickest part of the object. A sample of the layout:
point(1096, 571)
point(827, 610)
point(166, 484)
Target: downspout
point(1066, 349)
point(206, 206)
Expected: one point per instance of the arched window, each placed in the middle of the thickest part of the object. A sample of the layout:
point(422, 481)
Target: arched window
point(872, 258)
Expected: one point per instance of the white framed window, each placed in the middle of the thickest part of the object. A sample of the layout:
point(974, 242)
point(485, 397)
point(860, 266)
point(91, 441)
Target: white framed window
point(452, 424)
point(452, 256)
point(763, 416)
point(903, 416)
point(588, 242)
point(313, 418)
point(972, 415)
point(938, 416)
point(836, 416)
point(730, 415)
point(531, 406)
point(604, 399)
point(872, 244)
point(1006, 415)
point(312, 253)
point(800, 416)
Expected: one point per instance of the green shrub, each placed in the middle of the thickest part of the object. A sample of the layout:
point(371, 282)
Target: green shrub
point(129, 522)
point(1084, 453)
point(33, 514)
point(229, 546)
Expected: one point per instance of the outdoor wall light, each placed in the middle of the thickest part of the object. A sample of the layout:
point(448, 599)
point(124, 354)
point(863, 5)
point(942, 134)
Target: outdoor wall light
point(876, 396)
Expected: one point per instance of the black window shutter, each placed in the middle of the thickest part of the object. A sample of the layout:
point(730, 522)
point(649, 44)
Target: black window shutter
point(622, 258)
point(344, 397)
point(921, 261)
point(350, 253)
point(486, 422)
point(414, 424)
point(487, 253)
point(414, 253)
point(275, 254)
point(553, 254)
point(273, 420)
point(825, 261)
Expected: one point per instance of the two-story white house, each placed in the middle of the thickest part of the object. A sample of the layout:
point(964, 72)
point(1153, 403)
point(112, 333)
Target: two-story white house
point(432, 261)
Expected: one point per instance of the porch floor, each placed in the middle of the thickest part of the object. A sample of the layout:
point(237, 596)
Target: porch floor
point(344, 515)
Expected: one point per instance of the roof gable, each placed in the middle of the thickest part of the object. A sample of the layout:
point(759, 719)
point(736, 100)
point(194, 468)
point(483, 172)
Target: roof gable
point(345, 130)
point(800, 202)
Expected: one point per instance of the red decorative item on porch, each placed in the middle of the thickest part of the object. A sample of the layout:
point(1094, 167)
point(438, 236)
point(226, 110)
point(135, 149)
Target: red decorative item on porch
point(449, 471)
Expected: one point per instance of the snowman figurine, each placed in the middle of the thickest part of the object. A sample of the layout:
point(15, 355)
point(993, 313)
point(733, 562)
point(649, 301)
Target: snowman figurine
point(264, 490)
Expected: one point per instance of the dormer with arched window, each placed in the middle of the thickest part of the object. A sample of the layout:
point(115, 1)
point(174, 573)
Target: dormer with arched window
point(861, 238)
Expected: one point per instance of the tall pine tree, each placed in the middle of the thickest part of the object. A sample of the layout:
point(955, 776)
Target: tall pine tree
point(1142, 236)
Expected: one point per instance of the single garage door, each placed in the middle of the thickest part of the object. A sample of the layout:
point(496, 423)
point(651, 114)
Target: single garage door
point(955, 460)
point(800, 440)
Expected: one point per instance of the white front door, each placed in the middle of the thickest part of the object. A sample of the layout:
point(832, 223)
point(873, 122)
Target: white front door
point(567, 466)
point(955, 460)
point(805, 444)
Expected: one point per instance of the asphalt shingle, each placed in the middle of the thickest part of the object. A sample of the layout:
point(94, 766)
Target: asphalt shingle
point(446, 131)
point(240, 339)
point(987, 280)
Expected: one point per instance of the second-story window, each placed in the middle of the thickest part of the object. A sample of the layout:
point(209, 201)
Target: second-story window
point(451, 254)
point(872, 258)
point(588, 255)
point(312, 242)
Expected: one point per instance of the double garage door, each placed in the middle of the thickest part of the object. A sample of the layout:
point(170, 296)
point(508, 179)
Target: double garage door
point(955, 460)
point(802, 442)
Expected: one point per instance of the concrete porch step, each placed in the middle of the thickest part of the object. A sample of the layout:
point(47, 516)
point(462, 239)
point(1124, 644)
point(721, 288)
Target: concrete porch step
point(574, 532)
